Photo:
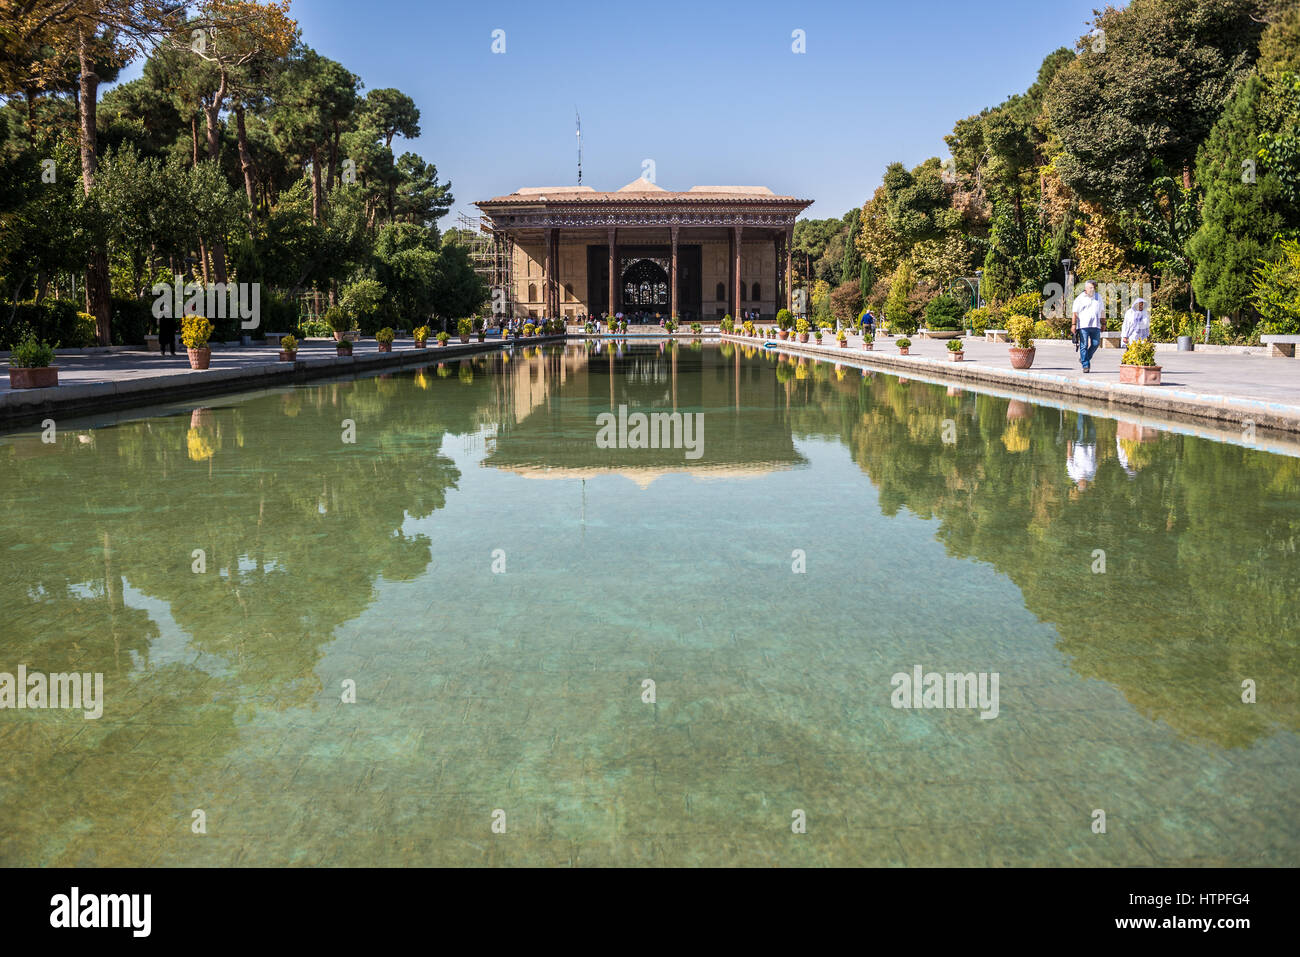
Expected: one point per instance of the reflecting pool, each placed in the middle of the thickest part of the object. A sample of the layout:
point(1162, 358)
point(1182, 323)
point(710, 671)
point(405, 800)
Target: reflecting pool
point(626, 655)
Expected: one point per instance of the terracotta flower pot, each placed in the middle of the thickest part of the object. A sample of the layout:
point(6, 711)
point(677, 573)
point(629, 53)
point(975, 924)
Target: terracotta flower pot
point(385, 347)
point(464, 338)
point(1021, 358)
point(421, 344)
point(288, 356)
point(442, 343)
point(338, 337)
point(785, 334)
point(868, 346)
point(200, 358)
point(844, 343)
point(803, 337)
point(46, 377)
point(956, 356)
point(902, 351)
point(1139, 375)
point(344, 350)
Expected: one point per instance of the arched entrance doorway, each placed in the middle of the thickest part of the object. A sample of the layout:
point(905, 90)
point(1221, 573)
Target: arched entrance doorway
point(645, 287)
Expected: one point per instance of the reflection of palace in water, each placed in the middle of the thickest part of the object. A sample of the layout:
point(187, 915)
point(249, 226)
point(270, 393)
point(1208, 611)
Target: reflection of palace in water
point(551, 401)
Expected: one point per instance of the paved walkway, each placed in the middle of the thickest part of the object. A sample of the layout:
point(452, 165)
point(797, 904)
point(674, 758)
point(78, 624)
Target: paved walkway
point(137, 364)
point(1232, 390)
point(111, 380)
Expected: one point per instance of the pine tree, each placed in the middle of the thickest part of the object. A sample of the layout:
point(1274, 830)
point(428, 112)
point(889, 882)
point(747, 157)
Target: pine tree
point(1244, 206)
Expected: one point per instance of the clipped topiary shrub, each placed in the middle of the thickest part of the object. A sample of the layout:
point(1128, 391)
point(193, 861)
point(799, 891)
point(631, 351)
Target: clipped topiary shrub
point(943, 313)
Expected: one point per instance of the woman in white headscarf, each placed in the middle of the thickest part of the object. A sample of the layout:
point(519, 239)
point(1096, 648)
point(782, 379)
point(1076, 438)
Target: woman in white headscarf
point(1137, 323)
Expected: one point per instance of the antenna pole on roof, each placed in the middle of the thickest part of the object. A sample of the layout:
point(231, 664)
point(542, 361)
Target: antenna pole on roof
point(579, 116)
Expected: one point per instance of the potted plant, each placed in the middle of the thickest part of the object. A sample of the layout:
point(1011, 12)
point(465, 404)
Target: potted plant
point(696, 328)
point(784, 320)
point(288, 349)
point(385, 337)
point(802, 328)
point(442, 338)
point(1138, 367)
point(421, 335)
point(955, 352)
point(903, 346)
point(339, 322)
point(463, 328)
point(1020, 330)
point(842, 338)
point(727, 324)
point(343, 347)
point(818, 335)
point(30, 365)
point(529, 329)
point(480, 329)
point(589, 328)
point(195, 332)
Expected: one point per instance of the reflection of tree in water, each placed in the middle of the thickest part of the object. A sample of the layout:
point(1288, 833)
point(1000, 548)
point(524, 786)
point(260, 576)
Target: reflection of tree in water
point(297, 528)
point(1200, 541)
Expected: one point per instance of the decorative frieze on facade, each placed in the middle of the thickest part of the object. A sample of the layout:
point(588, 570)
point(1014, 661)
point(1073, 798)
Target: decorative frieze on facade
point(597, 218)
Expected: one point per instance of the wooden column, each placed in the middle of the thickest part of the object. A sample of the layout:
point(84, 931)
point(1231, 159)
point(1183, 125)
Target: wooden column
point(789, 268)
point(672, 294)
point(779, 244)
point(736, 237)
point(559, 285)
point(546, 275)
point(613, 269)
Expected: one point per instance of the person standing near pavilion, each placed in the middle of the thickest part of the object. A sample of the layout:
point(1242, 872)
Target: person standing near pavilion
point(1087, 316)
point(1137, 323)
point(167, 334)
point(868, 322)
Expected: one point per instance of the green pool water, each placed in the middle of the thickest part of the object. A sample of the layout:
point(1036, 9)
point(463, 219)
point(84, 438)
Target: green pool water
point(500, 589)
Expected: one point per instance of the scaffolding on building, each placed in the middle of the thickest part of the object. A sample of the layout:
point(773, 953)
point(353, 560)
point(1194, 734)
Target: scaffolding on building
point(491, 252)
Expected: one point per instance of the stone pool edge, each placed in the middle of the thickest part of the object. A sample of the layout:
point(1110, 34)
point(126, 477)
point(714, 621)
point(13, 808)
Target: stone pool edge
point(24, 407)
point(1179, 403)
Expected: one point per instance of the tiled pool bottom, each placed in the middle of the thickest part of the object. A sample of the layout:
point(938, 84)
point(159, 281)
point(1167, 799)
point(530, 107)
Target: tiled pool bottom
point(523, 692)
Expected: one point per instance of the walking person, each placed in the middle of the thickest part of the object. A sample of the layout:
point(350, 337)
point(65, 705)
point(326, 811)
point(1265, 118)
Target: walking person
point(1137, 323)
point(1088, 312)
point(868, 324)
point(166, 335)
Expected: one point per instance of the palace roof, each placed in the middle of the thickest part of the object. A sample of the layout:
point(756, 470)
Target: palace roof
point(642, 191)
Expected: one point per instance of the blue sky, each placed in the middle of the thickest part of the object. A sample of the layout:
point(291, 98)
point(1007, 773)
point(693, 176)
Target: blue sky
point(710, 91)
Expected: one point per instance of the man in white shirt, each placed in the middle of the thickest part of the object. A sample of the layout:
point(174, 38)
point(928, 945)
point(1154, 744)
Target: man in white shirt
point(1088, 312)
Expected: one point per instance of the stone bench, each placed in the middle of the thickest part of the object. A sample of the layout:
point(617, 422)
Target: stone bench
point(1281, 345)
point(1110, 340)
point(995, 335)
